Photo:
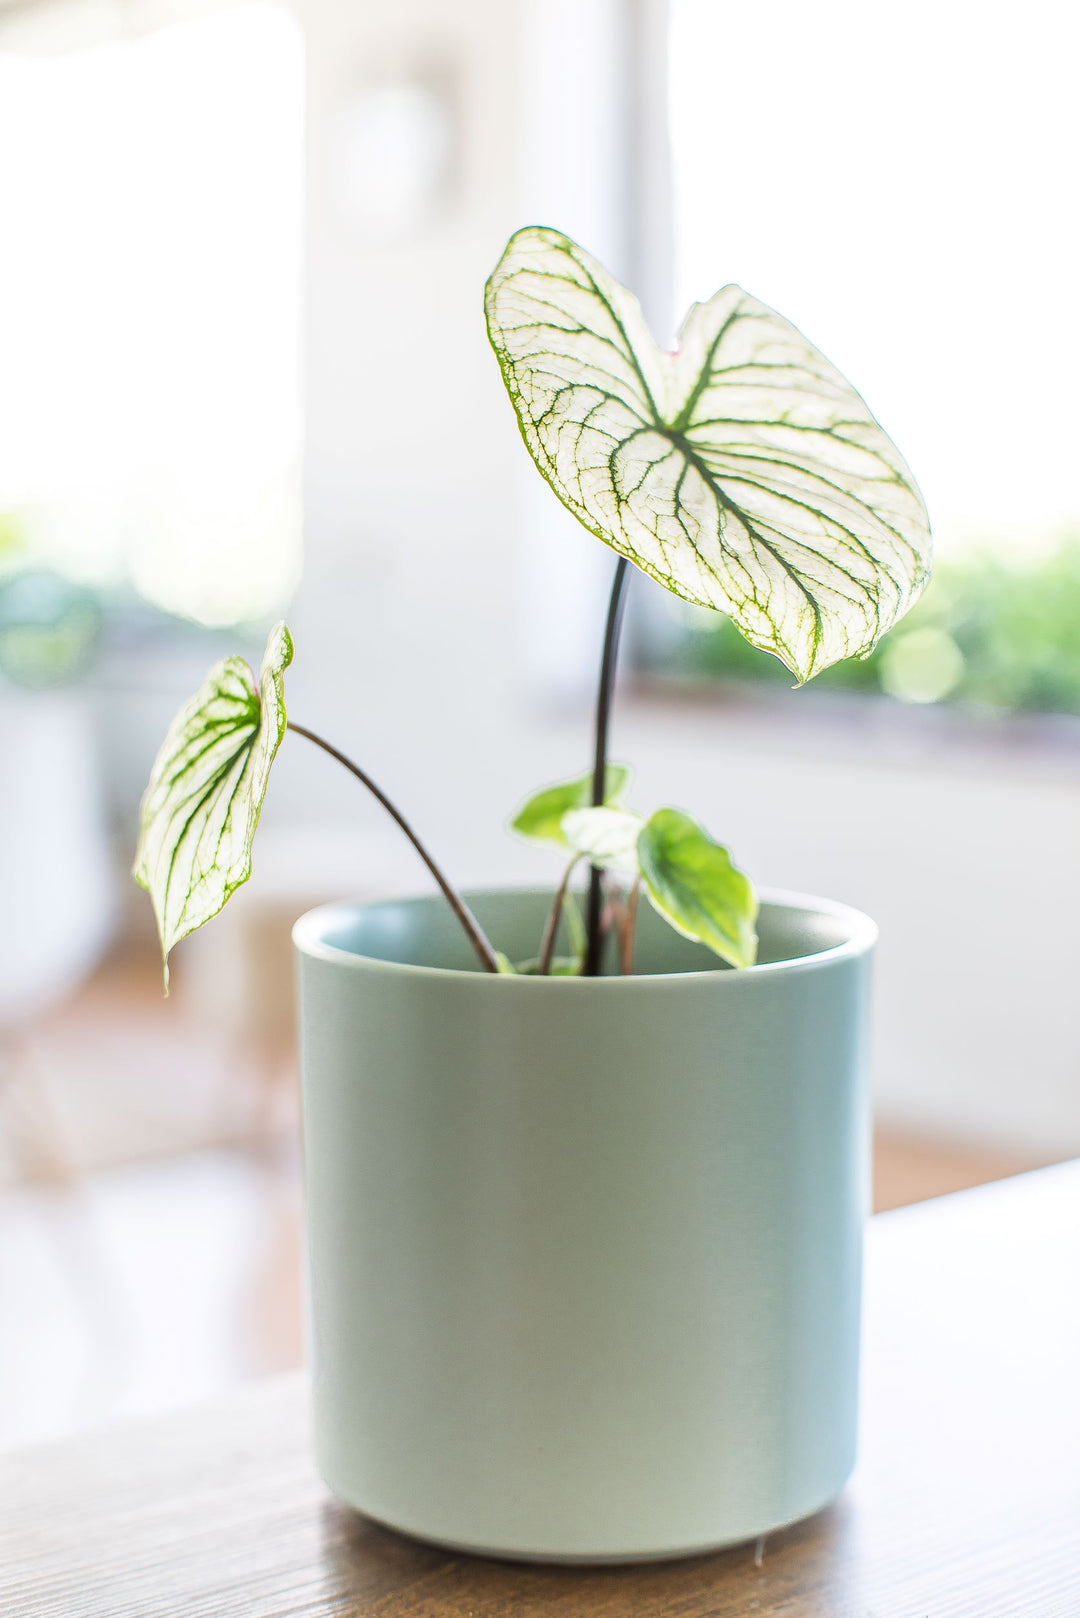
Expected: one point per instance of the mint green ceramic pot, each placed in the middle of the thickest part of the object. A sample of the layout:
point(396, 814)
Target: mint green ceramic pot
point(585, 1254)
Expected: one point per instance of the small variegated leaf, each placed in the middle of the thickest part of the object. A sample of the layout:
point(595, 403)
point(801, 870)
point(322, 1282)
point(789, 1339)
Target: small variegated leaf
point(608, 837)
point(540, 818)
point(691, 881)
point(201, 808)
point(742, 472)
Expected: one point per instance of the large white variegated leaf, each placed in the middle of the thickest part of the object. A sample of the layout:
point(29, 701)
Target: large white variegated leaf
point(743, 472)
point(201, 808)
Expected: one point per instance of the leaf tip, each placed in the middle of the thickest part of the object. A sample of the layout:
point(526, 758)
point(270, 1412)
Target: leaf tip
point(279, 648)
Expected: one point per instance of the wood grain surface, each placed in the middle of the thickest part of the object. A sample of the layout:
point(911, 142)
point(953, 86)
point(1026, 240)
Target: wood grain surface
point(966, 1503)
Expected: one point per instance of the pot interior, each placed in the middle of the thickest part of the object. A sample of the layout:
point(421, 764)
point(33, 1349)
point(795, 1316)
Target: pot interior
point(424, 932)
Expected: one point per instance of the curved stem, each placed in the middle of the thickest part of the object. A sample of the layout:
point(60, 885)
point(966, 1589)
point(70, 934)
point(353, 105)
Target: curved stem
point(457, 904)
point(551, 929)
point(594, 936)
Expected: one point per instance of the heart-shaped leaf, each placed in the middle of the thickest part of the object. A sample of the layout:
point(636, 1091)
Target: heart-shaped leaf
point(207, 786)
point(541, 816)
point(742, 472)
point(691, 881)
point(607, 836)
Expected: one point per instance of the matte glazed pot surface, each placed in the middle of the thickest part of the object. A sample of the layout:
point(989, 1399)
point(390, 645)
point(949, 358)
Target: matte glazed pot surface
point(585, 1254)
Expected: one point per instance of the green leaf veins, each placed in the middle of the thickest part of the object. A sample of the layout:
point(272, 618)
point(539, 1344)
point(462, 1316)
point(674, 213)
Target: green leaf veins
point(201, 809)
point(742, 472)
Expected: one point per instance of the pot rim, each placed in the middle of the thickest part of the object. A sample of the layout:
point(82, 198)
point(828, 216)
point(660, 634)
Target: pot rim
point(308, 938)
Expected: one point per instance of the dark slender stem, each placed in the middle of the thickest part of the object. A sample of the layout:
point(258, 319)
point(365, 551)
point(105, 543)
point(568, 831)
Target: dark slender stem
point(594, 940)
point(551, 929)
point(457, 904)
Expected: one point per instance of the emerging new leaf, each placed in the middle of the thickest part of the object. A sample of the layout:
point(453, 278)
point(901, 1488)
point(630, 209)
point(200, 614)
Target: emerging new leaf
point(608, 836)
point(541, 817)
point(691, 881)
point(742, 472)
point(207, 786)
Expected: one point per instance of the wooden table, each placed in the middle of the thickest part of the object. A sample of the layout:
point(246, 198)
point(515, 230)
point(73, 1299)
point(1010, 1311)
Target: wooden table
point(966, 1503)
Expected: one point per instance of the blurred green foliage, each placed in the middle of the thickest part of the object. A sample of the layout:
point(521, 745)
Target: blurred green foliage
point(989, 631)
point(49, 626)
point(49, 629)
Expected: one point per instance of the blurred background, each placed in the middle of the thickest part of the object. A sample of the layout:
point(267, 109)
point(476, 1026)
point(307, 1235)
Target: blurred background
point(244, 372)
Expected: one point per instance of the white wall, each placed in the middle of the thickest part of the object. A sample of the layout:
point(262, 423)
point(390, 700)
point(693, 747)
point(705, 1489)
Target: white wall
point(964, 847)
point(446, 594)
point(430, 614)
point(403, 625)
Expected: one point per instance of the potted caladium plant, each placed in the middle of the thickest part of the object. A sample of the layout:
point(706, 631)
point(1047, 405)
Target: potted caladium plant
point(585, 1190)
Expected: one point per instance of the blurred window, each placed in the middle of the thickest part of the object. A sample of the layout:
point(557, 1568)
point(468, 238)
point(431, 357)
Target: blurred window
point(150, 200)
point(900, 182)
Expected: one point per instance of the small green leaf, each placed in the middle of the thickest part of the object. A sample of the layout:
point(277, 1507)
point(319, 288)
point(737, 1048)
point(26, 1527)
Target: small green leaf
point(562, 966)
point(607, 836)
point(742, 472)
point(201, 808)
point(691, 881)
point(506, 965)
point(541, 816)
